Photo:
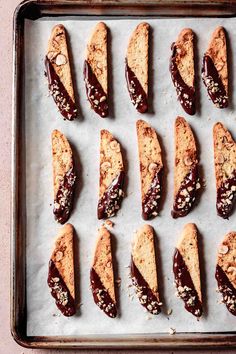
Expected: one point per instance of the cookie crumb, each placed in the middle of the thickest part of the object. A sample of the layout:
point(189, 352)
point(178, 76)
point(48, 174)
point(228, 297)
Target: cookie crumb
point(172, 331)
point(169, 312)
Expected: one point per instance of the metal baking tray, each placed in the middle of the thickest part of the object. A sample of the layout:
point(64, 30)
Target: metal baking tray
point(34, 9)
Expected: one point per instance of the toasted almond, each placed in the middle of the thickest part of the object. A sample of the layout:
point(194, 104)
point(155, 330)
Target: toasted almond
point(105, 165)
point(51, 55)
point(152, 167)
point(231, 269)
point(114, 145)
point(59, 256)
point(220, 159)
point(188, 161)
point(223, 249)
point(60, 59)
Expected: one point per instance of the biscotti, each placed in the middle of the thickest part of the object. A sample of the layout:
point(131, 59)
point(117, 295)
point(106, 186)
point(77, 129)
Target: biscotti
point(226, 271)
point(58, 73)
point(136, 69)
point(225, 170)
point(215, 69)
point(96, 70)
point(61, 279)
point(186, 270)
point(111, 176)
point(182, 70)
point(186, 179)
point(143, 269)
point(63, 176)
point(102, 276)
point(151, 169)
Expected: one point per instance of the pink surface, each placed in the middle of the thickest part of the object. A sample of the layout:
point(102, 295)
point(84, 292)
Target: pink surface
point(7, 344)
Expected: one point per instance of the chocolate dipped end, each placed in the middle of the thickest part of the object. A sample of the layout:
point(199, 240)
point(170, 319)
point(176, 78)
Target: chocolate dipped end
point(110, 202)
point(226, 196)
point(64, 198)
point(186, 195)
point(60, 95)
point(145, 295)
point(185, 287)
point(101, 296)
point(227, 290)
point(213, 83)
point(95, 93)
point(186, 94)
point(151, 202)
point(137, 94)
point(60, 292)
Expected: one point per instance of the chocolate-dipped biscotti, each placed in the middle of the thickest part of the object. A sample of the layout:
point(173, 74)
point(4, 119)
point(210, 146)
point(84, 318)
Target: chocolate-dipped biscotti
point(102, 276)
point(95, 70)
point(215, 69)
point(186, 270)
point(136, 68)
point(151, 169)
point(63, 176)
point(186, 180)
point(111, 176)
point(61, 279)
point(143, 269)
point(226, 271)
point(58, 72)
point(225, 170)
point(182, 70)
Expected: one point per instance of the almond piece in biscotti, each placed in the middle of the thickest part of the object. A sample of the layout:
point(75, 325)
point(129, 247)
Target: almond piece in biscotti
point(63, 176)
point(225, 170)
point(182, 70)
point(226, 271)
point(136, 69)
point(143, 269)
point(186, 180)
point(96, 71)
point(111, 176)
point(151, 169)
point(61, 279)
point(187, 271)
point(215, 69)
point(102, 275)
point(58, 71)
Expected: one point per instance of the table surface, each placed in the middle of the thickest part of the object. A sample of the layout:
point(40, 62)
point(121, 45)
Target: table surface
point(7, 344)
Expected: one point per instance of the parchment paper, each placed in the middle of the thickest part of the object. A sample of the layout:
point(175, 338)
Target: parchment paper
point(41, 117)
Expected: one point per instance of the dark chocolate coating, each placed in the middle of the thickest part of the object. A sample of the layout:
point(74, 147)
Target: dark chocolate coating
point(185, 286)
point(145, 295)
point(183, 202)
point(186, 94)
point(101, 296)
point(227, 290)
point(136, 91)
point(60, 292)
point(151, 203)
point(60, 95)
point(213, 83)
point(64, 198)
point(95, 93)
point(110, 202)
point(226, 195)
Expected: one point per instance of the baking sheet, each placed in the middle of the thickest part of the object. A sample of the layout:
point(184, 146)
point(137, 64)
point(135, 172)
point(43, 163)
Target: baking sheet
point(41, 117)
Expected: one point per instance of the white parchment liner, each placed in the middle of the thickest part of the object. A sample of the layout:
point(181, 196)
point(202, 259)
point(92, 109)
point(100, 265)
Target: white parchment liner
point(41, 118)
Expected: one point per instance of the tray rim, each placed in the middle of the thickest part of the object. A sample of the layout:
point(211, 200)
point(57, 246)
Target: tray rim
point(18, 311)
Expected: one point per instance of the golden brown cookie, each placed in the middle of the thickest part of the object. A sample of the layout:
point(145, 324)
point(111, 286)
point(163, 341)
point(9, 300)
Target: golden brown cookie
point(58, 72)
point(61, 277)
point(186, 180)
point(111, 176)
point(102, 276)
point(151, 169)
point(226, 271)
point(215, 68)
point(96, 71)
point(187, 271)
point(225, 169)
point(144, 269)
point(136, 69)
point(182, 69)
point(63, 176)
